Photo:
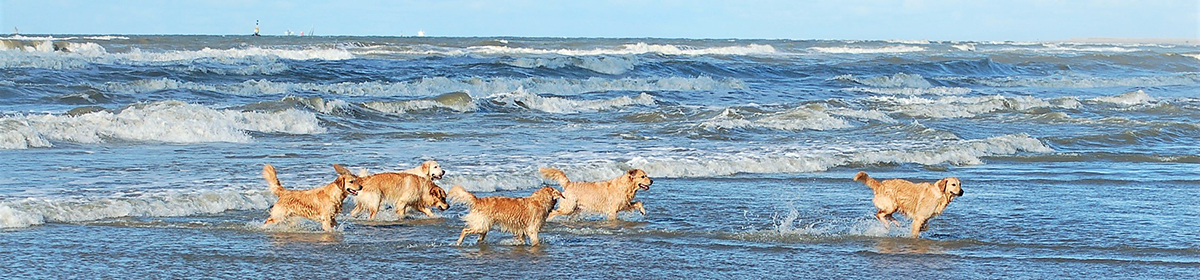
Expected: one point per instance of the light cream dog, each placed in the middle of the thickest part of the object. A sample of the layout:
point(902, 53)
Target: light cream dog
point(604, 197)
point(403, 191)
point(521, 216)
point(919, 201)
point(429, 170)
point(318, 204)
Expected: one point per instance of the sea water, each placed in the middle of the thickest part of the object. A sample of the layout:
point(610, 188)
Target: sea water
point(141, 156)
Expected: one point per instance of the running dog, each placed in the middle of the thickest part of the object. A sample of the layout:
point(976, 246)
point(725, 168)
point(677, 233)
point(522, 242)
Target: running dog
point(919, 201)
point(429, 170)
point(403, 190)
point(318, 204)
point(521, 216)
point(605, 197)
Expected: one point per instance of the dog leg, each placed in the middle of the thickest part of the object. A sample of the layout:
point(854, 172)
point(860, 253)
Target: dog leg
point(612, 216)
point(520, 237)
point(917, 225)
point(482, 235)
point(426, 211)
point(402, 211)
point(883, 218)
point(638, 206)
point(533, 239)
point(328, 224)
point(465, 231)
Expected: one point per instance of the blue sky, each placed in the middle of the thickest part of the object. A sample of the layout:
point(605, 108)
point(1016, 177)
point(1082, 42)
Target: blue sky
point(1020, 20)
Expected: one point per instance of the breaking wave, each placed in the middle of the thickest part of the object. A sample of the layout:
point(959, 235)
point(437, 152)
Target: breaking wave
point(1079, 81)
point(899, 80)
point(36, 211)
point(626, 49)
point(166, 121)
point(868, 50)
point(525, 99)
point(438, 86)
point(612, 65)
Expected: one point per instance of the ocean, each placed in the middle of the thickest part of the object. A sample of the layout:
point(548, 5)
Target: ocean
point(140, 156)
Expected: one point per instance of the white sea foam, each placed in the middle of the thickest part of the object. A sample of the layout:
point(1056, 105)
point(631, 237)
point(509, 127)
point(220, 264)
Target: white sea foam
point(35, 211)
point(1076, 81)
point(961, 152)
point(627, 49)
point(968, 47)
point(525, 99)
point(958, 106)
point(868, 50)
point(166, 121)
point(803, 118)
point(1192, 55)
point(75, 55)
point(611, 65)
point(1132, 98)
point(899, 80)
point(439, 85)
point(914, 91)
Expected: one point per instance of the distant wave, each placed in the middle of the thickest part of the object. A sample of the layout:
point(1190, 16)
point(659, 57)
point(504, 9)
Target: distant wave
point(611, 65)
point(899, 80)
point(69, 55)
point(802, 118)
point(166, 121)
point(627, 49)
point(438, 85)
point(1079, 81)
point(525, 99)
point(868, 50)
point(36, 211)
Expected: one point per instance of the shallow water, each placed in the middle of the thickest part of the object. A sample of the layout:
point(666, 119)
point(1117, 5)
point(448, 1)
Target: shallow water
point(139, 156)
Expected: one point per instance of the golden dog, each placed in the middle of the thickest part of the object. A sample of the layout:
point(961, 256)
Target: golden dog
point(318, 204)
point(428, 170)
point(605, 197)
point(522, 216)
point(403, 190)
point(919, 201)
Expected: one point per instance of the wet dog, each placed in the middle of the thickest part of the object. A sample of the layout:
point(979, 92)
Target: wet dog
point(403, 191)
point(521, 216)
point(919, 201)
point(428, 170)
point(604, 197)
point(318, 204)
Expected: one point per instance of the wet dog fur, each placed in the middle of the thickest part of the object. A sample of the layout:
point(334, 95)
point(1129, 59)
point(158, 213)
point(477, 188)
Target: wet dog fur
point(318, 204)
point(521, 216)
point(403, 191)
point(429, 170)
point(604, 197)
point(919, 201)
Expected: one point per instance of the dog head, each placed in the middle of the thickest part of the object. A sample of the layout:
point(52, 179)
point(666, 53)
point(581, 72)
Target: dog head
point(549, 194)
point(951, 186)
point(347, 181)
point(432, 169)
point(639, 178)
point(436, 198)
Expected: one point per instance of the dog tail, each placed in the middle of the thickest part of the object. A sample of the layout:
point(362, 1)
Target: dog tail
point(555, 174)
point(269, 175)
point(870, 182)
point(458, 194)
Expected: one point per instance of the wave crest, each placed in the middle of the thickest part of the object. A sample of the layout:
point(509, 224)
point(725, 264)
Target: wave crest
point(166, 121)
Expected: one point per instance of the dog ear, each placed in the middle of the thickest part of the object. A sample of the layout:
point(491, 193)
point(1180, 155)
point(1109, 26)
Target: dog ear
point(631, 173)
point(437, 192)
point(941, 184)
point(342, 170)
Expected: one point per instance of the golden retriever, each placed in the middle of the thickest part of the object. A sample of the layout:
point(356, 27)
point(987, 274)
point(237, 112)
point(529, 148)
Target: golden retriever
point(919, 201)
point(604, 197)
point(318, 204)
point(403, 190)
point(521, 216)
point(429, 170)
